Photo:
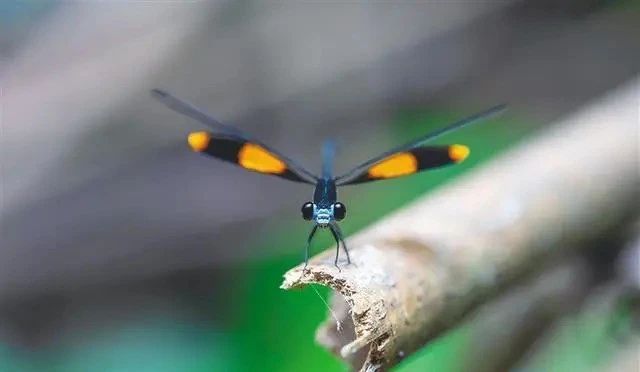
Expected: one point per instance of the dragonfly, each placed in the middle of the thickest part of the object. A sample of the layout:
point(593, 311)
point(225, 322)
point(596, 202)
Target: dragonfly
point(230, 144)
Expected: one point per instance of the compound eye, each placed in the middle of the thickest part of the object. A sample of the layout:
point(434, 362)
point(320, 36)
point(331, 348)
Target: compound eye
point(307, 210)
point(339, 211)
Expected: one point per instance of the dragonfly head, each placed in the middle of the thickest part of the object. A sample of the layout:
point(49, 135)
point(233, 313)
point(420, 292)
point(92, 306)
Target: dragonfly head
point(323, 215)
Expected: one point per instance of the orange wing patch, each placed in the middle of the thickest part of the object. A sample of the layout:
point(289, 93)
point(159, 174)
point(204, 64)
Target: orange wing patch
point(199, 141)
point(257, 158)
point(458, 153)
point(397, 165)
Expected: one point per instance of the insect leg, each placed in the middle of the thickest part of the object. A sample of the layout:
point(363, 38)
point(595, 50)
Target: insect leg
point(306, 249)
point(338, 232)
point(337, 238)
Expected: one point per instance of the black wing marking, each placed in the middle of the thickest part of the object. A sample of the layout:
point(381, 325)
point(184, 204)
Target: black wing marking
point(243, 153)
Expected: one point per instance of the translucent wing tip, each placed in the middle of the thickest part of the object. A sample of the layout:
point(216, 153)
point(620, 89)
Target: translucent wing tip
point(499, 109)
point(159, 93)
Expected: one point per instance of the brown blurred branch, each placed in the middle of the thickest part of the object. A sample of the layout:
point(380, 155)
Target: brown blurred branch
point(418, 272)
point(604, 302)
point(506, 329)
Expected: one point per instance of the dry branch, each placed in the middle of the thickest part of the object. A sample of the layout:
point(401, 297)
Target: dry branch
point(419, 271)
point(505, 330)
point(601, 310)
point(508, 331)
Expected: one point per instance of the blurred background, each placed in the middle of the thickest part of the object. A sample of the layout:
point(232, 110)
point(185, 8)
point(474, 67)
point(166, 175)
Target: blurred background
point(120, 250)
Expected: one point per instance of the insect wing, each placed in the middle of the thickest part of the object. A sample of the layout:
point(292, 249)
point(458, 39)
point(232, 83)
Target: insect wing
point(255, 156)
point(413, 157)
